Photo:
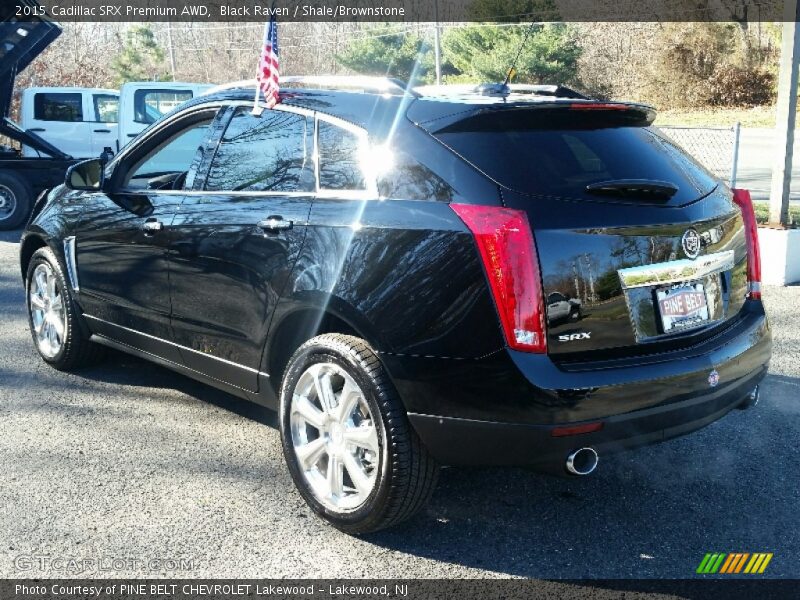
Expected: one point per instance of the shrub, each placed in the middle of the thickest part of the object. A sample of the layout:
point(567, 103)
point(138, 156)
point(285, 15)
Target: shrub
point(732, 85)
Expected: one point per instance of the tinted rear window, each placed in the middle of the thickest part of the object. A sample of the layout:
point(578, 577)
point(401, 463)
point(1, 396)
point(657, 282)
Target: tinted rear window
point(58, 107)
point(560, 156)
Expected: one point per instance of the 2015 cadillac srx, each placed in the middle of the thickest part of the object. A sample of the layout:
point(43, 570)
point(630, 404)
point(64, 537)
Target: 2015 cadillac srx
point(412, 278)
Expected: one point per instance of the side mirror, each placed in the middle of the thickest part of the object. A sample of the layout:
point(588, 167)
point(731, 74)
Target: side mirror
point(86, 176)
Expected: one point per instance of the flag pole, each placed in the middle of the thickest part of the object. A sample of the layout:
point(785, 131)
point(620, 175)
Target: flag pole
point(257, 110)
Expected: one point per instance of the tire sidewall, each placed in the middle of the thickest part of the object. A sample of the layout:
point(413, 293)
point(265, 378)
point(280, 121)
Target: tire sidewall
point(310, 354)
point(47, 257)
point(22, 198)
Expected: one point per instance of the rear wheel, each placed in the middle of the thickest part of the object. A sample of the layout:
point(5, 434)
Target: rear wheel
point(15, 201)
point(347, 441)
point(53, 316)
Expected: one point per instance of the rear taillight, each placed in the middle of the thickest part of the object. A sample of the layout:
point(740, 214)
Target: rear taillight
point(505, 243)
point(743, 201)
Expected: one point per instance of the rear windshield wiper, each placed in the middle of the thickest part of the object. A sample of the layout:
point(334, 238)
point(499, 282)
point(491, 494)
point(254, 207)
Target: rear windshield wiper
point(634, 187)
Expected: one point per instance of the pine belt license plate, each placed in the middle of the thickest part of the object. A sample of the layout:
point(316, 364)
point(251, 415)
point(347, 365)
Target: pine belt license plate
point(682, 306)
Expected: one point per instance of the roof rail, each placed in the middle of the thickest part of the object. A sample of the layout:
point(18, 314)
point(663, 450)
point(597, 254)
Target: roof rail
point(499, 89)
point(559, 91)
point(384, 85)
point(361, 82)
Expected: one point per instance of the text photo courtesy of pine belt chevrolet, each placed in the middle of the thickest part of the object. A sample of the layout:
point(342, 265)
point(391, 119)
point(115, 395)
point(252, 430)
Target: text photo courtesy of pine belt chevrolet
point(484, 275)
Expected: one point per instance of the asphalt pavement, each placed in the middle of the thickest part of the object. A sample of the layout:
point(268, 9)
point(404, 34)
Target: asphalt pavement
point(127, 469)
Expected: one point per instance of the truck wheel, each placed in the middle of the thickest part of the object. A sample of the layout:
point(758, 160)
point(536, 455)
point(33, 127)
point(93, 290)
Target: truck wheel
point(15, 201)
point(347, 441)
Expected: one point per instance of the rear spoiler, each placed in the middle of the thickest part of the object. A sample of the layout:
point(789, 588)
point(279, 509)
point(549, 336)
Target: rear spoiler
point(556, 112)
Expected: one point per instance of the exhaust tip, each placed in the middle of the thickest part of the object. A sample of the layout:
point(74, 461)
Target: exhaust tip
point(582, 461)
point(750, 400)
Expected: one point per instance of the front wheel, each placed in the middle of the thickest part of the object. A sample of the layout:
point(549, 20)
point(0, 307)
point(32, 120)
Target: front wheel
point(54, 317)
point(347, 441)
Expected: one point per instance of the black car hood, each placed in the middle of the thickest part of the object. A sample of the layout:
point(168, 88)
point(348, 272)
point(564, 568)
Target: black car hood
point(21, 41)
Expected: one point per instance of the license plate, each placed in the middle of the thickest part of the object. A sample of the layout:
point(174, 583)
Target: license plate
point(682, 306)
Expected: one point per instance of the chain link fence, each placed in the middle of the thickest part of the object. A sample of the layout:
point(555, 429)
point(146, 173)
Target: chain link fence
point(716, 148)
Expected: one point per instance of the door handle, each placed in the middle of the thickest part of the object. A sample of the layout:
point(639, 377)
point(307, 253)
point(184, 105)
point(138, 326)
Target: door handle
point(275, 223)
point(37, 130)
point(102, 131)
point(151, 226)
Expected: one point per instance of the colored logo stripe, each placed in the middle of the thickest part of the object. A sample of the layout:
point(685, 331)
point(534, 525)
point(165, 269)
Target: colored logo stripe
point(721, 562)
point(758, 563)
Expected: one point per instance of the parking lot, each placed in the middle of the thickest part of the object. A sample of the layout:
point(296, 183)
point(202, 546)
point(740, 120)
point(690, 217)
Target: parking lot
point(127, 469)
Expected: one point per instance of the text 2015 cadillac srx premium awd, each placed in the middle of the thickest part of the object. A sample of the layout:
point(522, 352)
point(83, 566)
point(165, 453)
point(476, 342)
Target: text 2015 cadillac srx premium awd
point(412, 278)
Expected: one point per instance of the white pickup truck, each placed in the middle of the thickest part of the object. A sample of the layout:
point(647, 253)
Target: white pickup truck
point(82, 122)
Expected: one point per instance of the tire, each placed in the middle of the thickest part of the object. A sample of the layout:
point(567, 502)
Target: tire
point(15, 201)
point(395, 482)
point(57, 315)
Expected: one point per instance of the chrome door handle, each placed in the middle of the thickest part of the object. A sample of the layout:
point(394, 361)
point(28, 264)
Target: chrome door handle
point(275, 223)
point(152, 226)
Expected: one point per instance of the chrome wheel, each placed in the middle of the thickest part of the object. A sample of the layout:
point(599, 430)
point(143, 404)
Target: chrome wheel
point(48, 316)
point(8, 203)
point(334, 437)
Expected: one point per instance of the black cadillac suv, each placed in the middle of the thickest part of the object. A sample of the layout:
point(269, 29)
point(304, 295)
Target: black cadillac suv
point(485, 277)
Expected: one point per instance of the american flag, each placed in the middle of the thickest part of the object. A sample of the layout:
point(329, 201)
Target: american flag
point(268, 65)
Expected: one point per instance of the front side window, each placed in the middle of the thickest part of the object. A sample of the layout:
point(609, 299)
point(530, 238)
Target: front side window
point(106, 108)
point(266, 153)
point(166, 165)
point(150, 105)
point(58, 107)
point(341, 157)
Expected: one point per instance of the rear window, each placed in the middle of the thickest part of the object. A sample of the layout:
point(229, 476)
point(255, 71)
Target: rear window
point(58, 107)
point(559, 152)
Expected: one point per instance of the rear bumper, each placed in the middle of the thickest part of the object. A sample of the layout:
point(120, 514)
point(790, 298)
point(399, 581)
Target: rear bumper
point(501, 410)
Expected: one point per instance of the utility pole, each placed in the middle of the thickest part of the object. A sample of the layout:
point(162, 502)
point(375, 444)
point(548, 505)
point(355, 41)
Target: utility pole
point(437, 47)
point(787, 111)
point(171, 49)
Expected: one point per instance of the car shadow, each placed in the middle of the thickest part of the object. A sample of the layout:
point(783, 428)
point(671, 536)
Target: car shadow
point(122, 369)
point(648, 513)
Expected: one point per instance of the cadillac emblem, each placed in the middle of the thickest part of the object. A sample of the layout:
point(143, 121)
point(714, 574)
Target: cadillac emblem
point(691, 243)
point(713, 378)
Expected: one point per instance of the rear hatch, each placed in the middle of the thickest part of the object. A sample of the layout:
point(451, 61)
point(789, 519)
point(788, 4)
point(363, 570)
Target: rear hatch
point(21, 41)
point(640, 248)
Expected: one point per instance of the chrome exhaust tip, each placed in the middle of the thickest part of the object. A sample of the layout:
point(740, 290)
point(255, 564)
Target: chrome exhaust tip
point(582, 461)
point(751, 400)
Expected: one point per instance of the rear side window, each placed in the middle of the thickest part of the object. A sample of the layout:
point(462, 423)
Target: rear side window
point(561, 156)
point(58, 107)
point(150, 105)
point(406, 178)
point(106, 108)
point(340, 158)
point(267, 153)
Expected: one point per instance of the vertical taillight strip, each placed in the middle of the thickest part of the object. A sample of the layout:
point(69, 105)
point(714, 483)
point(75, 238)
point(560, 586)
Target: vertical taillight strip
point(745, 204)
point(506, 246)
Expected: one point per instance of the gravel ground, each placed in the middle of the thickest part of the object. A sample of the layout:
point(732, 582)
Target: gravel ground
point(130, 461)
